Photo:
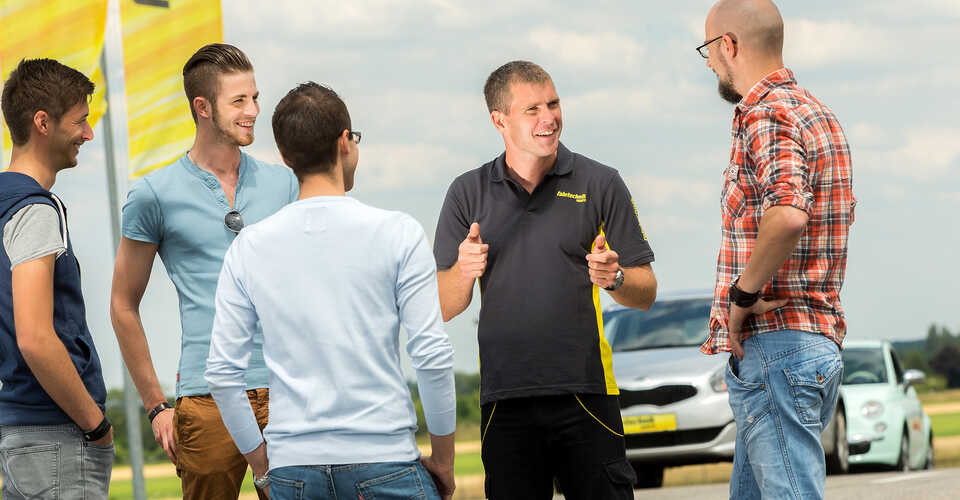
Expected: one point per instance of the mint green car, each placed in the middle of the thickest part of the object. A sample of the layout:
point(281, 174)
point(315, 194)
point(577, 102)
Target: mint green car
point(886, 424)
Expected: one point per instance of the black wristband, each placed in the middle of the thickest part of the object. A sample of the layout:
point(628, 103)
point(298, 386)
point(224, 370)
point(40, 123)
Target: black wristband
point(99, 431)
point(741, 298)
point(157, 409)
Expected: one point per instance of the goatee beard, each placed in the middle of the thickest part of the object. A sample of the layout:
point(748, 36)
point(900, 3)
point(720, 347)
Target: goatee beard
point(728, 93)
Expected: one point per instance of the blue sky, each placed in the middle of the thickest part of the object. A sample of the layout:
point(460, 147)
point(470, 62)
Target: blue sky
point(635, 96)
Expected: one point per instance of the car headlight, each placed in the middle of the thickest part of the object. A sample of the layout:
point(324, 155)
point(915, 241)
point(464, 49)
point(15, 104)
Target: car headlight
point(718, 381)
point(871, 409)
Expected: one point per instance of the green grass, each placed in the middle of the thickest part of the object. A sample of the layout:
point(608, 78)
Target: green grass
point(948, 396)
point(161, 487)
point(945, 424)
point(468, 464)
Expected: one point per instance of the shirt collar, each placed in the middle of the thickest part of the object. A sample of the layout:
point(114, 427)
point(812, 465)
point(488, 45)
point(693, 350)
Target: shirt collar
point(782, 76)
point(563, 165)
point(207, 176)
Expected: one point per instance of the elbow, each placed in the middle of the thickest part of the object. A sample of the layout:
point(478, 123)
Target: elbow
point(649, 298)
point(30, 345)
point(449, 311)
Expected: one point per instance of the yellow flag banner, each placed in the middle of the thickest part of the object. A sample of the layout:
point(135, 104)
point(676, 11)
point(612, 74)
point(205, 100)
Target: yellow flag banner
point(159, 36)
point(70, 31)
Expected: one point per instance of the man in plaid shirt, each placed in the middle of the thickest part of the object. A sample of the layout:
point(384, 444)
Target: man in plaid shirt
point(787, 206)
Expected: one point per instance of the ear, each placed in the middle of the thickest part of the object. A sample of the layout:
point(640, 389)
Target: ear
point(343, 142)
point(42, 122)
point(729, 42)
point(202, 106)
point(497, 118)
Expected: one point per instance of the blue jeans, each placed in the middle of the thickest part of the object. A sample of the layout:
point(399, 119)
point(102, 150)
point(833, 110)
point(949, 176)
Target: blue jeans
point(783, 394)
point(52, 461)
point(388, 480)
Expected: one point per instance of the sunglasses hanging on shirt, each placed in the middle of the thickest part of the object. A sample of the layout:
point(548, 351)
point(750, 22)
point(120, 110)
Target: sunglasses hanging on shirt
point(233, 221)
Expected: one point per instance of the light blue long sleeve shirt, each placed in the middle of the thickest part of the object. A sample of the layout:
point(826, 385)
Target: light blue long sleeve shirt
point(332, 280)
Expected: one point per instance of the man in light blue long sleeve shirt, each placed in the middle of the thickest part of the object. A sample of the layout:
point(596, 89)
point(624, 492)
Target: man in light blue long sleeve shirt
point(332, 280)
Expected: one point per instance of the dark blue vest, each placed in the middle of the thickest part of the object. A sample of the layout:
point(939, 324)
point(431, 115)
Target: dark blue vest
point(22, 400)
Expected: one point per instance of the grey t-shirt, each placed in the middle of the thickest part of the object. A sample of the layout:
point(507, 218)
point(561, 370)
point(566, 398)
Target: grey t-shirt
point(33, 232)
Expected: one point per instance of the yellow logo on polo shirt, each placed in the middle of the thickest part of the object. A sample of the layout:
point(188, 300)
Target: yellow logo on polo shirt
point(580, 198)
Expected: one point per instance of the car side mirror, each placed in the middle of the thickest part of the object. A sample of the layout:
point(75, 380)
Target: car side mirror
point(913, 377)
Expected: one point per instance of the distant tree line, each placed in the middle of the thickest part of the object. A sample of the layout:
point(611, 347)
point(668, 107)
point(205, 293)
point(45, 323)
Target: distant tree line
point(938, 355)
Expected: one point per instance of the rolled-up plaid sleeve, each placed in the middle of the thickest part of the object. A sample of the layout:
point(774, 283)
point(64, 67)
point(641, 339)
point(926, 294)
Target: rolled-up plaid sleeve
point(777, 149)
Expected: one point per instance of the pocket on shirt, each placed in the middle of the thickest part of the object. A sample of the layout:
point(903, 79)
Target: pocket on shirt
point(733, 200)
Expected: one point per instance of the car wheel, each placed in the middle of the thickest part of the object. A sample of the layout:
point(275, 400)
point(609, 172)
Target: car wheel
point(838, 462)
point(929, 462)
point(648, 476)
point(903, 463)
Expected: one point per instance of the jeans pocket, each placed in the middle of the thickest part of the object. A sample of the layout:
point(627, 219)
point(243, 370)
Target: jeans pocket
point(749, 401)
point(33, 471)
point(97, 465)
point(811, 381)
point(401, 484)
point(283, 488)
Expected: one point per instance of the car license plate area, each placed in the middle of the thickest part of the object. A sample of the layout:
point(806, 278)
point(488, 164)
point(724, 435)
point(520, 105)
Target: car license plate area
point(640, 424)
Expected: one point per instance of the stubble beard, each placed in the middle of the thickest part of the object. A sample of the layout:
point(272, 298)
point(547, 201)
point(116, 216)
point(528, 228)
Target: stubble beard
point(223, 135)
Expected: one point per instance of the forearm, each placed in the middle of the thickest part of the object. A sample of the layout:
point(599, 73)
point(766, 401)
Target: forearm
point(456, 292)
point(50, 363)
point(442, 448)
point(780, 231)
point(136, 354)
point(639, 289)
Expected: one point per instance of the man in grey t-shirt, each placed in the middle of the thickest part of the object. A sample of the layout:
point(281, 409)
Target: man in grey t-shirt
point(32, 232)
point(55, 440)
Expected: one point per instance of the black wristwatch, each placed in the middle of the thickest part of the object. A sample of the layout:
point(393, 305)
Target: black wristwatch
point(157, 409)
point(99, 431)
point(742, 298)
point(617, 281)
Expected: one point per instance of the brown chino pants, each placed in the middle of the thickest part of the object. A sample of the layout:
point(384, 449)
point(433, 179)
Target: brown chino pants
point(208, 462)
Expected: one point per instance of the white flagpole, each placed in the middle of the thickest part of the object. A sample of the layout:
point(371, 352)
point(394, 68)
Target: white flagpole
point(131, 400)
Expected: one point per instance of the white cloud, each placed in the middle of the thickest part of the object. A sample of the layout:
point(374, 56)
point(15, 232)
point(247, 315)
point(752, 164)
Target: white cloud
point(402, 166)
point(366, 19)
point(809, 43)
point(608, 49)
point(924, 154)
point(671, 191)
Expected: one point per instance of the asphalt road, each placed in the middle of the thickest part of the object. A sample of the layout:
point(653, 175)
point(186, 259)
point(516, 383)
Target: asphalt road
point(938, 484)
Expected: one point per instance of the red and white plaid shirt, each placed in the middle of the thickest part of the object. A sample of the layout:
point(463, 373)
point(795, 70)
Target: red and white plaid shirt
point(788, 149)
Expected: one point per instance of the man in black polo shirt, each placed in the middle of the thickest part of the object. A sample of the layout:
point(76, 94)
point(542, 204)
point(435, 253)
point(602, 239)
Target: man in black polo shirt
point(543, 229)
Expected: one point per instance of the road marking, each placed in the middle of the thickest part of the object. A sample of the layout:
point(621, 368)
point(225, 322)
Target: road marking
point(907, 477)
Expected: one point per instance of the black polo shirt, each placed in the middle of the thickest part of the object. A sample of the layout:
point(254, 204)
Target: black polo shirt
point(541, 328)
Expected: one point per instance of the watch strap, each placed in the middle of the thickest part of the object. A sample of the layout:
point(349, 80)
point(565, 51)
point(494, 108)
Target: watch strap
point(742, 298)
point(99, 431)
point(157, 409)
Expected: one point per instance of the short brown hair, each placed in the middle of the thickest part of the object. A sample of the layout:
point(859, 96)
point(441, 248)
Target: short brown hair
point(40, 84)
point(497, 89)
point(307, 123)
point(200, 74)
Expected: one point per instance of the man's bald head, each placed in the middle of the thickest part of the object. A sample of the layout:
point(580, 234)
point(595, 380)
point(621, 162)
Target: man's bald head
point(756, 23)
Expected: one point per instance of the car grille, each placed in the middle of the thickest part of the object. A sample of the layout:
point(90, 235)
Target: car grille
point(672, 438)
point(660, 396)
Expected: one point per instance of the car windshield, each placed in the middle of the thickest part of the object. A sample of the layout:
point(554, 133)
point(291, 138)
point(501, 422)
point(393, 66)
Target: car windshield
point(864, 366)
point(675, 323)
